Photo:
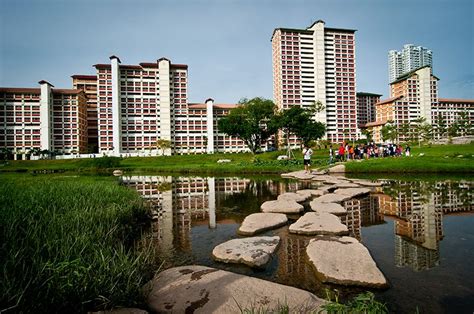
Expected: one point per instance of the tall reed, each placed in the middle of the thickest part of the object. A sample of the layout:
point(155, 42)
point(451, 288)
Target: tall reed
point(66, 244)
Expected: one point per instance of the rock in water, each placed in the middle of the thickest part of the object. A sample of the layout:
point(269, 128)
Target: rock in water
point(290, 196)
point(319, 223)
point(260, 222)
point(254, 252)
point(283, 206)
point(344, 261)
point(330, 208)
point(199, 289)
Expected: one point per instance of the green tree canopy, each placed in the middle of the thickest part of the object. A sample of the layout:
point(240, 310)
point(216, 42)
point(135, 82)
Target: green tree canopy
point(389, 132)
point(297, 121)
point(251, 121)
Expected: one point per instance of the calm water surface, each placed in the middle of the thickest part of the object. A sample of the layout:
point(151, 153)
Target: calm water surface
point(420, 234)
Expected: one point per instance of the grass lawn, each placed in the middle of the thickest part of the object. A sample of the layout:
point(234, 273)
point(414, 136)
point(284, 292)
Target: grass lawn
point(435, 159)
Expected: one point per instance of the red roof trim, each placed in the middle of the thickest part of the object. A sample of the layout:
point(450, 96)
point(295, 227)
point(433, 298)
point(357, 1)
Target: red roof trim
point(84, 77)
point(386, 101)
point(23, 90)
point(456, 100)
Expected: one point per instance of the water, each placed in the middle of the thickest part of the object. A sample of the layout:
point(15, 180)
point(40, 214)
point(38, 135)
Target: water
point(420, 234)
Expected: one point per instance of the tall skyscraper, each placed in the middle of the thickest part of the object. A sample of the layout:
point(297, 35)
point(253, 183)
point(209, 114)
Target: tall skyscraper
point(317, 64)
point(410, 58)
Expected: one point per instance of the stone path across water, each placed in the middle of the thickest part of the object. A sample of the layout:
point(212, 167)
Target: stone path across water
point(260, 222)
point(319, 223)
point(282, 206)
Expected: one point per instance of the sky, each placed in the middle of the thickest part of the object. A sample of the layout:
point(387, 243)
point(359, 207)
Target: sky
point(226, 43)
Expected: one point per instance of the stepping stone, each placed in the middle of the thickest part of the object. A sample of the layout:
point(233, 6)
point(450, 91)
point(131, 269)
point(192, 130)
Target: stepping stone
point(319, 223)
point(254, 252)
point(330, 208)
point(343, 185)
point(332, 198)
point(312, 193)
point(352, 192)
point(200, 289)
point(327, 188)
point(367, 183)
point(337, 169)
point(344, 261)
point(259, 222)
point(322, 177)
point(290, 196)
point(302, 175)
point(283, 206)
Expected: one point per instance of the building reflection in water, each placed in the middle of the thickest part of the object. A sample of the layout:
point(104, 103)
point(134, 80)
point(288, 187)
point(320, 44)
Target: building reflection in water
point(416, 207)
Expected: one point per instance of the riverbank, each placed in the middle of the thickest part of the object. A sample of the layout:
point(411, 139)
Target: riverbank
point(68, 244)
point(433, 159)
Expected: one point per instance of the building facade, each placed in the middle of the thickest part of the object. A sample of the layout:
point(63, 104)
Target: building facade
point(43, 119)
point(138, 105)
point(448, 111)
point(366, 107)
point(317, 64)
point(88, 83)
point(411, 57)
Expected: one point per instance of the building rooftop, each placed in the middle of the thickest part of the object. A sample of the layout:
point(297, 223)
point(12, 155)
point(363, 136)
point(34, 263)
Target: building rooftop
point(456, 100)
point(387, 101)
point(310, 32)
point(84, 77)
point(409, 74)
point(368, 94)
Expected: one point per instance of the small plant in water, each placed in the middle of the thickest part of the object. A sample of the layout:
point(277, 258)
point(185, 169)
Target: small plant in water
point(362, 303)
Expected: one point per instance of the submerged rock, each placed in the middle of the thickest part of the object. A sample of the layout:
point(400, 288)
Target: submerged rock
point(199, 289)
point(260, 222)
point(282, 206)
point(319, 223)
point(255, 251)
point(344, 261)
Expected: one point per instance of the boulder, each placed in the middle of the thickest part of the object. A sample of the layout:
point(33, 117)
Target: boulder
point(319, 223)
point(352, 192)
point(200, 289)
point(282, 206)
point(330, 208)
point(290, 196)
point(260, 222)
point(344, 261)
point(332, 198)
point(282, 157)
point(338, 169)
point(254, 251)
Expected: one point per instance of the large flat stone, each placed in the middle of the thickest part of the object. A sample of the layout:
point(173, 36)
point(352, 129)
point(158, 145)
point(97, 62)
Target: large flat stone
point(301, 175)
point(352, 192)
point(344, 185)
point(290, 196)
point(345, 261)
point(367, 183)
point(282, 206)
point(199, 289)
point(332, 198)
point(312, 192)
point(260, 222)
point(319, 223)
point(330, 208)
point(254, 251)
point(338, 169)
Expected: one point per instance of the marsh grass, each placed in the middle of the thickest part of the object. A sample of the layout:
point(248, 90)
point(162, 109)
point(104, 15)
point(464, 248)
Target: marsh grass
point(67, 244)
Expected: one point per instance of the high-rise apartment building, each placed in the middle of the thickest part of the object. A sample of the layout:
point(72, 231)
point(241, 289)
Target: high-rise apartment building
point(366, 107)
point(410, 58)
point(141, 104)
point(88, 83)
point(317, 64)
point(43, 118)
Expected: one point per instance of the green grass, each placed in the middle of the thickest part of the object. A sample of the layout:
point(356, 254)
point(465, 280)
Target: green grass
point(363, 303)
point(435, 159)
point(67, 244)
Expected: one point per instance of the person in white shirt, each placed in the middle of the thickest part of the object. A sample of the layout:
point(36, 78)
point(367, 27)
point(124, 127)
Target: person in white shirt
point(307, 152)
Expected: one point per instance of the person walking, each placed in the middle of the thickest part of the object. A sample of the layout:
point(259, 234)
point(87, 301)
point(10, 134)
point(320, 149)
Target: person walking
point(307, 152)
point(331, 155)
point(341, 152)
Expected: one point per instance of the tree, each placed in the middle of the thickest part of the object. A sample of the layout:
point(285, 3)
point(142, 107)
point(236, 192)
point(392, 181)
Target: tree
point(404, 131)
point(389, 132)
point(453, 130)
point(163, 144)
point(440, 126)
point(368, 134)
point(465, 128)
point(251, 121)
point(422, 130)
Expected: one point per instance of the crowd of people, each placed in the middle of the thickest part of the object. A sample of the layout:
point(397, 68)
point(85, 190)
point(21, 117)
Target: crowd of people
point(365, 151)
